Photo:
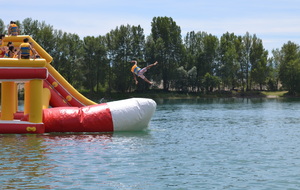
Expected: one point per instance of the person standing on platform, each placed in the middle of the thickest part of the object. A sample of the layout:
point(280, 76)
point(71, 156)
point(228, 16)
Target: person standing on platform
point(24, 50)
point(13, 29)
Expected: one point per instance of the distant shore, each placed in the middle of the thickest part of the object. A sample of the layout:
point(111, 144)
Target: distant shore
point(157, 94)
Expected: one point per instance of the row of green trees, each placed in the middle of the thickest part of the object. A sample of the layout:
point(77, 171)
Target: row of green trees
point(197, 62)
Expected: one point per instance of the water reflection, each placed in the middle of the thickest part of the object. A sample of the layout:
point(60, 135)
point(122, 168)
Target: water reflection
point(29, 161)
point(22, 160)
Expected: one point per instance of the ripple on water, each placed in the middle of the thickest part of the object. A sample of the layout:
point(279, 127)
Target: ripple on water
point(190, 144)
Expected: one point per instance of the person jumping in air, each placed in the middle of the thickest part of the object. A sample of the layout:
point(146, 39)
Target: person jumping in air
point(140, 72)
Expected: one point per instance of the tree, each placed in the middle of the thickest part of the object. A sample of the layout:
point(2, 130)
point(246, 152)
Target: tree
point(289, 70)
point(273, 65)
point(168, 47)
point(181, 82)
point(201, 52)
point(124, 43)
point(103, 67)
point(258, 59)
point(193, 47)
point(102, 63)
point(210, 82)
point(192, 79)
point(31, 27)
point(193, 44)
point(137, 51)
point(41, 32)
point(92, 60)
point(244, 58)
point(120, 52)
point(209, 55)
point(242, 74)
point(2, 27)
point(228, 64)
point(71, 49)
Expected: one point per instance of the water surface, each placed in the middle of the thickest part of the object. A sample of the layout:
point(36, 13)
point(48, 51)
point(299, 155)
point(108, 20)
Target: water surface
point(191, 144)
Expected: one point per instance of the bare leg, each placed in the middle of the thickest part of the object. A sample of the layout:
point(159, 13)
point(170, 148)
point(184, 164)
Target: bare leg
point(148, 67)
point(145, 79)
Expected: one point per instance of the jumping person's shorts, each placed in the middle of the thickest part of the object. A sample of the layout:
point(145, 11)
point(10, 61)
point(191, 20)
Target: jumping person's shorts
point(141, 72)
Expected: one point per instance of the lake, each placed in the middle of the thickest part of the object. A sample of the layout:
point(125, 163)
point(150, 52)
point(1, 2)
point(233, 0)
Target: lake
point(216, 143)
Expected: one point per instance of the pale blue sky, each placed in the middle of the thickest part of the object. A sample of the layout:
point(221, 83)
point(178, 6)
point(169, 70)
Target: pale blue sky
point(274, 21)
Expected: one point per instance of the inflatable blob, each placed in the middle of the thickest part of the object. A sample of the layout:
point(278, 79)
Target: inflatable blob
point(124, 115)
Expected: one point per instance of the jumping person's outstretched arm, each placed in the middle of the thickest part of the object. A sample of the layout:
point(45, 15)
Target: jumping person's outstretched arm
point(136, 81)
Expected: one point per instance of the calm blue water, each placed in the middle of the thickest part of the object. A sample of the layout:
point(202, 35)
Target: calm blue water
point(190, 144)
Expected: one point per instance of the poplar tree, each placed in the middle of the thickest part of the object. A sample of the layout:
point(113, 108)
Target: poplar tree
point(168, 47)
point(228, 63)
point(258, 59)
point(124, 44)
point(289, 70)
point(2, 27)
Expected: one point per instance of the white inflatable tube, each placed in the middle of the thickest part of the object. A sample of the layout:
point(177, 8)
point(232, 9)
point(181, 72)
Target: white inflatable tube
point(132, 114)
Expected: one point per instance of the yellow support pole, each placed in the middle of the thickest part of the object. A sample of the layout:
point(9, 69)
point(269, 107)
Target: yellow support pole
point(15, 97)
point(35, 94)
point(26, 98)
point(7, 101)
point(46, 97)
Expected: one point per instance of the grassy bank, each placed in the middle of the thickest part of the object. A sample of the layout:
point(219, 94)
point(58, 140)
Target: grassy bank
point(275, 94)
point(157, 94)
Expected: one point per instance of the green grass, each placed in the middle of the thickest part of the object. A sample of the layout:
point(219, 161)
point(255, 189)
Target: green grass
point(274, 93)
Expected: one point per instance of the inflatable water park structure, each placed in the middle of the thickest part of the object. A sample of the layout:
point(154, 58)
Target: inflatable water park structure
point(51, 104)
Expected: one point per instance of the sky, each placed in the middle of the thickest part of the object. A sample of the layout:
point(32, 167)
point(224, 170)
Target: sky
point(275, 22)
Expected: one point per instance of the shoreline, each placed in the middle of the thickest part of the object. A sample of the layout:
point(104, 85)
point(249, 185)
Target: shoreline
point(155, 94)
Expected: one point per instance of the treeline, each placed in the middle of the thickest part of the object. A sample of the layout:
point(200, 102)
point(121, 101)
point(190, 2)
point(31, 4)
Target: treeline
point(197, 62)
